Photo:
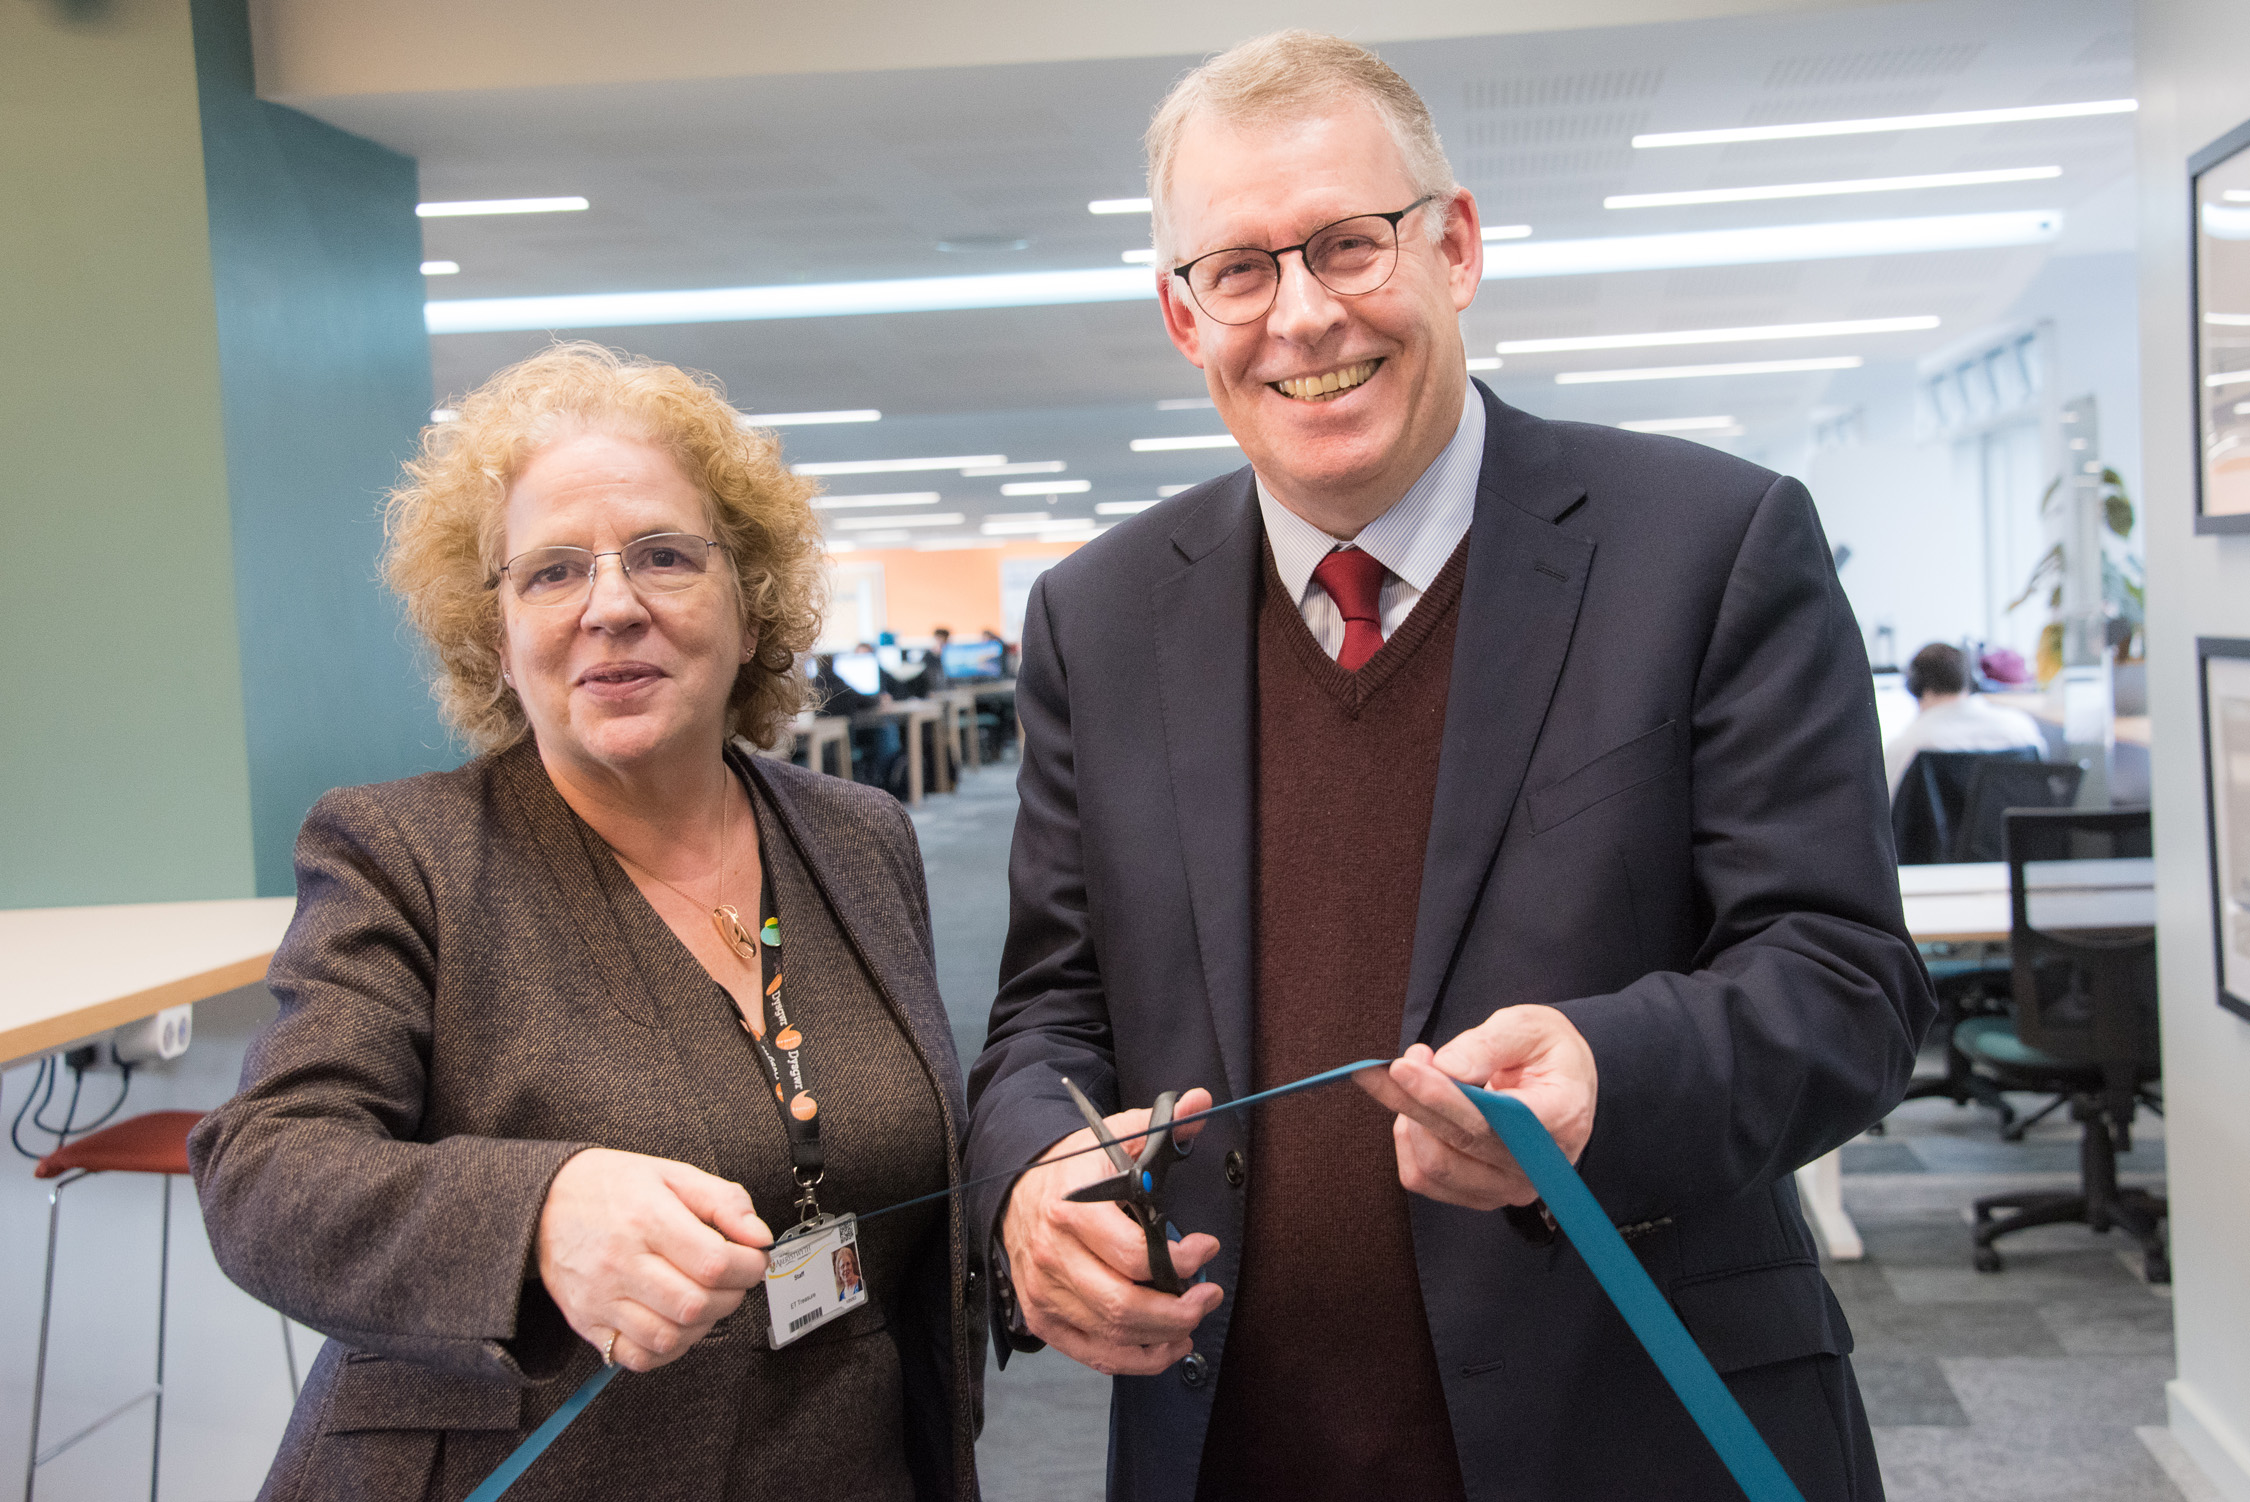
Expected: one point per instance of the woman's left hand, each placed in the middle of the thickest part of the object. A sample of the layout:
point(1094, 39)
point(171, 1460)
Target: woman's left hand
point(644, 1255)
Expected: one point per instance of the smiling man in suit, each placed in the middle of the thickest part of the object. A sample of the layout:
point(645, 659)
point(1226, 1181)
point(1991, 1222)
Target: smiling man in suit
point(1550, 747)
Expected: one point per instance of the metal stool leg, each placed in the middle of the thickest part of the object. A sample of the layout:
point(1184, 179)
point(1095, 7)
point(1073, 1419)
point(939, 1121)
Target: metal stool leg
point(46, 1310)
point(163, 1290)
point(289, 1350)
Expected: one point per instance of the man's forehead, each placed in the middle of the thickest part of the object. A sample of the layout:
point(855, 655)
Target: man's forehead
point(1245, 181)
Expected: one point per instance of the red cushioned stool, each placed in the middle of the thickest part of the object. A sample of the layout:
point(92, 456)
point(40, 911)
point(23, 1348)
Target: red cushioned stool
point(155, 1143)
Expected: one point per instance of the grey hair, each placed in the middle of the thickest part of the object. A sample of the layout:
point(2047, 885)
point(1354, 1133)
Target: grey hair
point(1285, 76)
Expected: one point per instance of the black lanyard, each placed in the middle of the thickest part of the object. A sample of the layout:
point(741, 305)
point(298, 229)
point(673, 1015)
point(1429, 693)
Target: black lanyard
point(781, 1049)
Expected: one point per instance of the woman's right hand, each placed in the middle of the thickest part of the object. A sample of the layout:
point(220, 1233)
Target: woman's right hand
point(652, 1251)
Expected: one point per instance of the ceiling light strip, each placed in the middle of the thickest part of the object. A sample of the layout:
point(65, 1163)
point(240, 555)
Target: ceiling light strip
point(1843, 328)
point(1679, 425)
point(1770, 244)
point(1687, 372)
point(1192, 441)
point(1027, 467)
point(897, 466)
point(464, 207)
point(1730, 247)
point(804, 419)
point(926, 294)
point(1942, 121)
point(1048, 487)
point(873, 523)
point(1832, 189)
point(896, 498)
point(1118, 206)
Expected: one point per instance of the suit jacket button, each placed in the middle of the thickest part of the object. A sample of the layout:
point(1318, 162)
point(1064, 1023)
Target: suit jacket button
point(1194, 1369)
point(1236, 1170)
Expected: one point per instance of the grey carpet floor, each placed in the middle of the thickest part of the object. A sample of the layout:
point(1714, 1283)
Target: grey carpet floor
point(2037, 1382)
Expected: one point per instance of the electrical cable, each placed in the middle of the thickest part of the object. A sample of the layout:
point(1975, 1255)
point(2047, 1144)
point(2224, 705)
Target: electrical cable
point(15, 1127)
point(124, 1088)
point(62, 1133)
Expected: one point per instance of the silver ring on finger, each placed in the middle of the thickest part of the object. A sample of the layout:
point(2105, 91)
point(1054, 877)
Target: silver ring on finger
point(608, 1346)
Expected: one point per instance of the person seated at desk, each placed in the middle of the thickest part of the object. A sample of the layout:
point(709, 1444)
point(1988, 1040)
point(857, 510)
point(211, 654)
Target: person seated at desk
point(847, 684)
point(934, 679)
point(1952, 718)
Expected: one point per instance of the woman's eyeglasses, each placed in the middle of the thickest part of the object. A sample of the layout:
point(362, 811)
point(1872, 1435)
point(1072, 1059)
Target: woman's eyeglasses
point(663, 564)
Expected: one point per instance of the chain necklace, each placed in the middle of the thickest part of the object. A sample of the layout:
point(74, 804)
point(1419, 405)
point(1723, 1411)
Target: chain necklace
point(725, 917)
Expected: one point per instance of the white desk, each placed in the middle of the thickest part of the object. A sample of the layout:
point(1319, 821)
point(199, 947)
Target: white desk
point(1968, 903)
point(70, 972)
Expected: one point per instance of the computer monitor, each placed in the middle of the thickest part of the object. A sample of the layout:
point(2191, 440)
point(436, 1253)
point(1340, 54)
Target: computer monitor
point(858, 671)
point(972, 661)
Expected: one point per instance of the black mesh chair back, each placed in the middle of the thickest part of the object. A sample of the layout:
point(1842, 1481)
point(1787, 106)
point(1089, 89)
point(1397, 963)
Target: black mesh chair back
point(2086, 996)
point(2085, 1025)
point(1932, 797)
point(1998, 784)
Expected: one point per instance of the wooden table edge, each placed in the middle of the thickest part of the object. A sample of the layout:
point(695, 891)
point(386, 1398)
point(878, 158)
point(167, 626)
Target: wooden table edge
point(31, 1038)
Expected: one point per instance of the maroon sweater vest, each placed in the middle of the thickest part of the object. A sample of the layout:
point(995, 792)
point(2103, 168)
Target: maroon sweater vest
point(1329, 1386)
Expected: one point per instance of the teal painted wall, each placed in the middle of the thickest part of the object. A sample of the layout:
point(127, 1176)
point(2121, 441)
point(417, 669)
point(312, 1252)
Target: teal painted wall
point(325, 370)
point(123, 763)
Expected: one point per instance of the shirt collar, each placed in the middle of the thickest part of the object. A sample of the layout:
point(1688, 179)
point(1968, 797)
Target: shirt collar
point(1415, 537)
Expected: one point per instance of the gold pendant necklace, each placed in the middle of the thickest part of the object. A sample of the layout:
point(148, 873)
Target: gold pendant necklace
point(725, 917)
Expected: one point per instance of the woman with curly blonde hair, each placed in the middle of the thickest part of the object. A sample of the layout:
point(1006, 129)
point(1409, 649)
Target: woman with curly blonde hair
point(540, 1080)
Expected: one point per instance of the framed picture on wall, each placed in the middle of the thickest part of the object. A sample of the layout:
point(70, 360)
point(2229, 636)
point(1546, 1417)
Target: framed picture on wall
point(2223, 664)
point(2219, 177)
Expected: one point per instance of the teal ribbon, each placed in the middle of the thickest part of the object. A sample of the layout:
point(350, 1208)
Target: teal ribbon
point(520, 1458)
point(1742, 1450)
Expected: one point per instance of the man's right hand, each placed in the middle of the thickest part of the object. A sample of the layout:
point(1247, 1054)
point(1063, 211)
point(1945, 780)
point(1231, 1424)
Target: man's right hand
point(1077, 1268)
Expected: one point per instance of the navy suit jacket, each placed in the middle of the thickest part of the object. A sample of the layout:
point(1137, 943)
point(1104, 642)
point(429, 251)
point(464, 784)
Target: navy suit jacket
point(1660, 807)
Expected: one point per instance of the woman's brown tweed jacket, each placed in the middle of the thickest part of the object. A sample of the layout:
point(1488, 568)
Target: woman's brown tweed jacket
point(463, 1006)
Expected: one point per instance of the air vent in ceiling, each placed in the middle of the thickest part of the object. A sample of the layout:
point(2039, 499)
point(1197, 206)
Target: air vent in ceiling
point(1552, 130)
point(1871, 106)
point(1887, 65)
point(1562, 90)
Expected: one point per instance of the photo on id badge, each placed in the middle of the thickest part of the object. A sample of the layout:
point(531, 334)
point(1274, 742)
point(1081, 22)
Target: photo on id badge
point(812, 1276)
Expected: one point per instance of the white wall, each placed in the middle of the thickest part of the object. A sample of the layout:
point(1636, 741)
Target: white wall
point(1909, 506)
point(2193, 87)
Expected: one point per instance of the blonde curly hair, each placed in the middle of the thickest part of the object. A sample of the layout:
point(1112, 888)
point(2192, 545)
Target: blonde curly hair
point(443, 527)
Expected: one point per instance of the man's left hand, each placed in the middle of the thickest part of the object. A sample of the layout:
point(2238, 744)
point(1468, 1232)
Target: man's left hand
point(1446, 1149)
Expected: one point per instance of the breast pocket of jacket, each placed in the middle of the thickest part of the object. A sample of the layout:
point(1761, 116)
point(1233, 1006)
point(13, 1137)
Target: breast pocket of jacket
point(1620, 769)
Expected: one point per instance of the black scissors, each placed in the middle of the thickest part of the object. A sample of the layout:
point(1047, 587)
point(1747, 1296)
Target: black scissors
point(1138, 1186)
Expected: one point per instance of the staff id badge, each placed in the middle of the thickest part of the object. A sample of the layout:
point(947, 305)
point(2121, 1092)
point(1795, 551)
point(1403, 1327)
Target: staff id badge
point(813, 1275)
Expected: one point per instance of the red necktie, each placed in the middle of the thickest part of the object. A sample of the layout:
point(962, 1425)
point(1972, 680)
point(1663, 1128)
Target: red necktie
point(1354, 580)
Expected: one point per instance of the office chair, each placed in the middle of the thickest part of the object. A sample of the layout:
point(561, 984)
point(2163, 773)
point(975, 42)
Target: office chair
point(1949, 809)
point(2084, 1030)
point(1998, 784)
point(1927, 811)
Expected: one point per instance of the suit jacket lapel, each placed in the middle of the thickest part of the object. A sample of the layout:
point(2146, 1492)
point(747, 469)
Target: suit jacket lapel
point(1519, 605)
point(1204, 626)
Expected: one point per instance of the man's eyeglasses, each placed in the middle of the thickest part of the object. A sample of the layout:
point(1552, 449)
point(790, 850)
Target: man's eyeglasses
point(1350, 258)
point(663, 564)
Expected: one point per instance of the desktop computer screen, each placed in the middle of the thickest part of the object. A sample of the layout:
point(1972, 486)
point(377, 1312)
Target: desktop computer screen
point(972, 661)
point(858, 671)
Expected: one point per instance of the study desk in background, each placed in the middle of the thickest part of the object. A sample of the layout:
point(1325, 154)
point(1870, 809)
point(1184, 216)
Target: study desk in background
point(910, 715)
point(73, 972)
point(1970, 903)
